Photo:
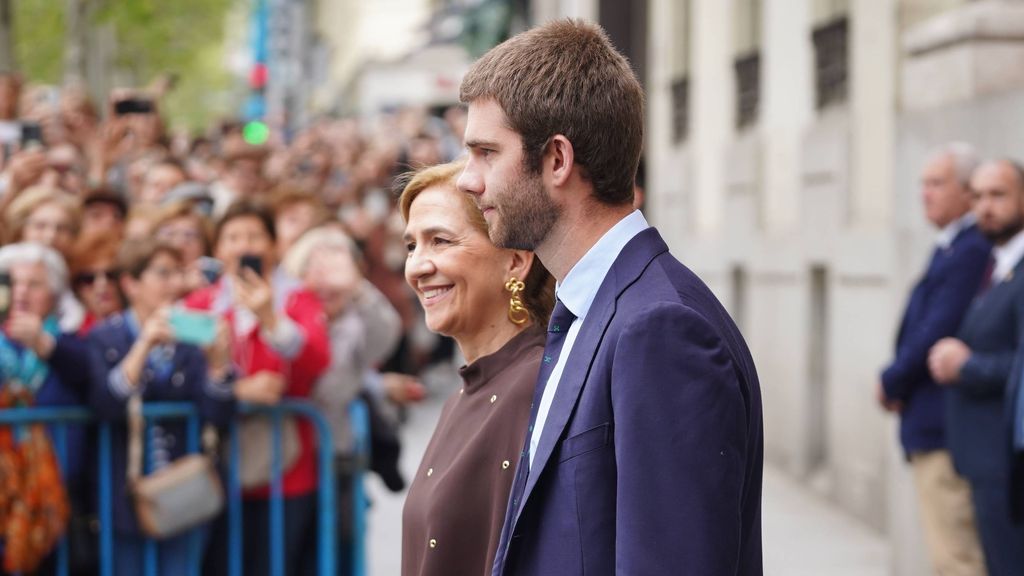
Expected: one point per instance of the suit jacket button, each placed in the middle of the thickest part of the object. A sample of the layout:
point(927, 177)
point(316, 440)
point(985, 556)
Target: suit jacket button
point(111, 354)
point(178, 379)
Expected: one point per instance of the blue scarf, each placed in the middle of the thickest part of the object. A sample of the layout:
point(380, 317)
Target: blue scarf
point(21, 365)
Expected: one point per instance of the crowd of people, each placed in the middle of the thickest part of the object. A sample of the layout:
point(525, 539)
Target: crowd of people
point(215, 270)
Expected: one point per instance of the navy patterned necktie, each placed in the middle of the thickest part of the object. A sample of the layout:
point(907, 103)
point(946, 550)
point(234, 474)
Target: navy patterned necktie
point(558, 327)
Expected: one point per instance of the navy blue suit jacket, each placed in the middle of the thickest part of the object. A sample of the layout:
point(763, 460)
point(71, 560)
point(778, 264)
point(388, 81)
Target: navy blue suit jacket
point(936, 307)
point(187, 381)
point(1014, 389)
point(976, 403)
point(650, 460)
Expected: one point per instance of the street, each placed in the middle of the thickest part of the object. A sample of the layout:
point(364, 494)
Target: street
point(803, 534)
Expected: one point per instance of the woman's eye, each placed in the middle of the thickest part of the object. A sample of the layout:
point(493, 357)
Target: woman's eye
point(410, 246)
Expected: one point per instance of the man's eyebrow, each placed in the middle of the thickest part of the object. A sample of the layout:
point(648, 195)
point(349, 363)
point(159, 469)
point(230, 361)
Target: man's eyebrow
point(480, 144)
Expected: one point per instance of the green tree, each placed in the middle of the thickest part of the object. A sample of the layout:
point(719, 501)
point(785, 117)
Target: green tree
point(152, 37)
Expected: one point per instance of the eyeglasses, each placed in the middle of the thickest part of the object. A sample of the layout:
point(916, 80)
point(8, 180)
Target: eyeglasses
point(89, 278)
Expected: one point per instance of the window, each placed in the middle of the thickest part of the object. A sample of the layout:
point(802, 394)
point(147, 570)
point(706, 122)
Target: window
point(831, 51)
point(681, 70)
point(747, 61)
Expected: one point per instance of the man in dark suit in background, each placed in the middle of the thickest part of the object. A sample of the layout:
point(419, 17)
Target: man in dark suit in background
point(976, 365)
point(644, 452)
point(936, 307)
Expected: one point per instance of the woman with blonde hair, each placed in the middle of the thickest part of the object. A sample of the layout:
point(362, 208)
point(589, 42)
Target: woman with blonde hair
point(495, 304)
point(45, 215)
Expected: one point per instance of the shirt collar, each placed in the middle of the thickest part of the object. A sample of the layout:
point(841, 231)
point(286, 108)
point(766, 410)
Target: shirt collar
point(1007, 256)
point(949, 233)
point(581, 284)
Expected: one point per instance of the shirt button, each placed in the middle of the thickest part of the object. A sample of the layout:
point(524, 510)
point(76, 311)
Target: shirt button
point(504, 465)
point(494, 398)
point(430, 471)
point(433, 543)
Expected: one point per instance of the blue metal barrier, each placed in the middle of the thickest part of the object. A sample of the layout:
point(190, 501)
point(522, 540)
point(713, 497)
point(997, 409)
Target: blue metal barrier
point(60, 417)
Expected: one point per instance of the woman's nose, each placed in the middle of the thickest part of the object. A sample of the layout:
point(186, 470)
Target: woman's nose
point(417, 265)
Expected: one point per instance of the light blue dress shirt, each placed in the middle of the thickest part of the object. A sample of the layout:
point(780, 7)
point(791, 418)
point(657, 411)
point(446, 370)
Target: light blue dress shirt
point(577, 293)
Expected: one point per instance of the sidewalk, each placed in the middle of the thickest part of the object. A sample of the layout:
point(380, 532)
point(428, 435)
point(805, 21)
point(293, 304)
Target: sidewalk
point(803, 535)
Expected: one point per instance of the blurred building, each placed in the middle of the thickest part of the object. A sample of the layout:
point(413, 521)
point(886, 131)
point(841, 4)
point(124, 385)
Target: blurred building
point(784, 143)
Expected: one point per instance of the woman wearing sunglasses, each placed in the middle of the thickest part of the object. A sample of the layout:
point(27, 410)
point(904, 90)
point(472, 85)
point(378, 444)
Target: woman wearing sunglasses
point(93, 277)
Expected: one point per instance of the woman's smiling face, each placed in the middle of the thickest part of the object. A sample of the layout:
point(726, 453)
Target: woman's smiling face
point(457, 273)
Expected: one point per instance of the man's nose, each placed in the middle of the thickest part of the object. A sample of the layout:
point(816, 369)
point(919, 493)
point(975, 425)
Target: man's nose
point(470, 182)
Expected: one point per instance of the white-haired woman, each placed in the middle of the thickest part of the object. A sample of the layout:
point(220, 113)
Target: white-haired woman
point(40, 355)
point(363, 328)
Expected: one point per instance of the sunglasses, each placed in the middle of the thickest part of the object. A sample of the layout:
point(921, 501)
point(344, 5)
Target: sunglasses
point(88, 278)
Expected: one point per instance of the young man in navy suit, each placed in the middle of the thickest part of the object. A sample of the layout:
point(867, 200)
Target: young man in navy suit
point(976, 365)
point(936, 307)
point(644, 452)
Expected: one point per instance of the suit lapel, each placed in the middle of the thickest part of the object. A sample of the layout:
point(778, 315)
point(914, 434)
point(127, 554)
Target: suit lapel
point(631, 262)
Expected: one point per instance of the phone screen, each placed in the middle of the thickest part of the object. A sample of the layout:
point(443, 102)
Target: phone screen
point(211, 268)
point(253, 262)
point(191, 327)
point(31, 133)
point(133, 106)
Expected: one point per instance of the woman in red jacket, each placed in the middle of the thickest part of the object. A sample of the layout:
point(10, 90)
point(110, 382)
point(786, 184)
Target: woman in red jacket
point(277, 327)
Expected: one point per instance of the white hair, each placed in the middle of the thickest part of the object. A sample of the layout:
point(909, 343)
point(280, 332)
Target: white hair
point(33, 253)
point(69, 311)
point(965, 160)
point(296, 261)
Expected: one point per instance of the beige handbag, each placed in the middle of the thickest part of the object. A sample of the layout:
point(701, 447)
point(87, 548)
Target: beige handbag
point(185, 493)
point(255, 445)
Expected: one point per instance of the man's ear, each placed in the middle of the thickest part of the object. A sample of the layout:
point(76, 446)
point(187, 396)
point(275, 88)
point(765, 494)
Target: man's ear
point(560, 154)
point(520, 264)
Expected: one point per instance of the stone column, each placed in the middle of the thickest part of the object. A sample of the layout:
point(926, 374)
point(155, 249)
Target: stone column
point(873, 62)
point(787, 85)
point(712, 108)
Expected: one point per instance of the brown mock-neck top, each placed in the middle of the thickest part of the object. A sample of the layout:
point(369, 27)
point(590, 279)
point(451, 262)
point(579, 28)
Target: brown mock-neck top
point(456, 505)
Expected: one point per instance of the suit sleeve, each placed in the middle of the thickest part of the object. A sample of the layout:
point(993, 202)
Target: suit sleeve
point(987, 374)
point(681, 447)
point(945, 310)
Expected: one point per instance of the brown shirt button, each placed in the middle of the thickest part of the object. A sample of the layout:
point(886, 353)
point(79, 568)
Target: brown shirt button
point(433, 543)
point(504, 465)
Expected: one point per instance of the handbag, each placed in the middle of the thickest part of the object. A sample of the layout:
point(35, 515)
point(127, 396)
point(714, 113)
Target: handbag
point(185, 493)
point(255, 446)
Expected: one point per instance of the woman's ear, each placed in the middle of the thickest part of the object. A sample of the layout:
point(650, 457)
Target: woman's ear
point(520, 264)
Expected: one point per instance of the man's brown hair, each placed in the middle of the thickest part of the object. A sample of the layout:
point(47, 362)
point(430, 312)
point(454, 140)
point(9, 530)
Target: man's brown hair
point(565, 77)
